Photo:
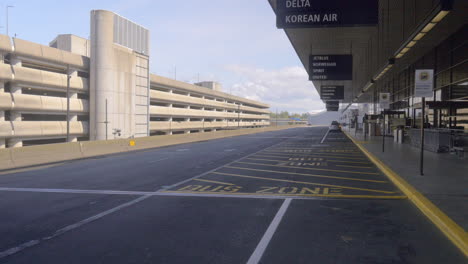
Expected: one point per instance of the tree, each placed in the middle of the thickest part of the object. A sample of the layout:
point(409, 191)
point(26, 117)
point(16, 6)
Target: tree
point(287, 115)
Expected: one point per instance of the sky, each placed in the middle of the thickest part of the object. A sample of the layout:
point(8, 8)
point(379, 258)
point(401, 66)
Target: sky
point(233, 42)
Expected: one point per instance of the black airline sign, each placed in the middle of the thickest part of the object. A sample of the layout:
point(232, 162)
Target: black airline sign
point(332, 106)
point(332, 92)
point(326, 13)
point(330, 67)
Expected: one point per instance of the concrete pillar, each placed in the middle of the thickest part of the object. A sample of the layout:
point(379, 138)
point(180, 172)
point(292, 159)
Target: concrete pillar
point(169, 133)
point(73, 95)
point(73, 116)
point(15, 62)
point(15, 117)
point(113, 78)
point(101, 74)
point(15, 143)
point(2, 90)
point(2, 113)
point(187, 132)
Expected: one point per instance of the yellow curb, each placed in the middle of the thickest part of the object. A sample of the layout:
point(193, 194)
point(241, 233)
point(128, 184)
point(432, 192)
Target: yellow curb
point(454, 232)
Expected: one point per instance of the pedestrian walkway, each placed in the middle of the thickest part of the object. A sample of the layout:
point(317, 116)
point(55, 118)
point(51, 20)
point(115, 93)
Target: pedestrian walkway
point(445, 177)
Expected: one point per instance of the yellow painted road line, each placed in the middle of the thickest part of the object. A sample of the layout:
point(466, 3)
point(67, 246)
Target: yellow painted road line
point(294, 167)
point(315, 152)
point(345, 161)
point(298, 195)
point(306, 174)
point(301, 182)
point(325, 159)
point(270, 160)
point(327, 150)
point(350, 166)
point(218, 182)
point(450, 228)
point(314, 161)
point(311, 155)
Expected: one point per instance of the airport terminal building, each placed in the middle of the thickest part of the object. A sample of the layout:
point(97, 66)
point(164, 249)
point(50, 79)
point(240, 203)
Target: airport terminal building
point(78, 89)
point(369, 47)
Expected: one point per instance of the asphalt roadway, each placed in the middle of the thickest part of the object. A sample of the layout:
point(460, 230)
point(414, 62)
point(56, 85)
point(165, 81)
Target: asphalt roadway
point(300, 195)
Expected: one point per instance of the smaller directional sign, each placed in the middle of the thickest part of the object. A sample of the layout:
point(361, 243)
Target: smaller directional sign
point(332, 105)
point(330, 67)
point(332, 92)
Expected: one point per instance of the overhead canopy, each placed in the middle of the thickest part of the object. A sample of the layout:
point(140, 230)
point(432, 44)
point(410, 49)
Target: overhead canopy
point(377, 49)
point(334, 41)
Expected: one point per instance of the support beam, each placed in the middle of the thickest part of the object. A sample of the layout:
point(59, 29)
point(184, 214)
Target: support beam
point(15, 117)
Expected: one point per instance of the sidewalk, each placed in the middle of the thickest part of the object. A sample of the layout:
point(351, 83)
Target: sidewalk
point(445, 180)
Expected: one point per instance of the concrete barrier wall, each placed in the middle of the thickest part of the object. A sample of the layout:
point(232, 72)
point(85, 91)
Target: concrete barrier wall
point(43, 154)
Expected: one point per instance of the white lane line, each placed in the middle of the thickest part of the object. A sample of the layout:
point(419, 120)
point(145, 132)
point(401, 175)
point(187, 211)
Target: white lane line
point(261, 247)
point(180, 150)
point(324, 137)
point(32, 243)
point(75, 191)
point(59, 232)
point(154, 161)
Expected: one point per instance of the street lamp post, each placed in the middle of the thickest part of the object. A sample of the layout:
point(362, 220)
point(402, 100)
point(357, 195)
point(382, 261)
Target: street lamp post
point(8, 6)
point(238, 116)
point(68, 102)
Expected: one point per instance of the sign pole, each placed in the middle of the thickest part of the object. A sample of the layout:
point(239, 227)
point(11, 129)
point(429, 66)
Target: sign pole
point(383, 134)
point(423, 87)
point(421, 158)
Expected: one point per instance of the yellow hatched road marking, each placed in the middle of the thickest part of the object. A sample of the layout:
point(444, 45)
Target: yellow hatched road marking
point(315, 152)
point(305, 174)
point(301, 195)
point(314, 161)
point(301, 182)
point(326, 158)
point(350, 166)
point(344, 161)
point(271, 160)
point(341, 151)
point(203, 180)
point(281, 166)
point(313, 155)
point(344, 150)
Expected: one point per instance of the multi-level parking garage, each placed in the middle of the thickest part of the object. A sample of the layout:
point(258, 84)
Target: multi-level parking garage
point(178, 107)
point(79, 89)
point(33, 93)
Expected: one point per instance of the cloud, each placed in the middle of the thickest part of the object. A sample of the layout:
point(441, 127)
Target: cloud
point(284, 89)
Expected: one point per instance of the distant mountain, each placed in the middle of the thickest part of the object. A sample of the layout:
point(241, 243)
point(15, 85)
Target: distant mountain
point(324, 118)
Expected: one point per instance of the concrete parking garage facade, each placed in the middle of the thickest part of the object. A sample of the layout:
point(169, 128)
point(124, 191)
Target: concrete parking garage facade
point(111, 93)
